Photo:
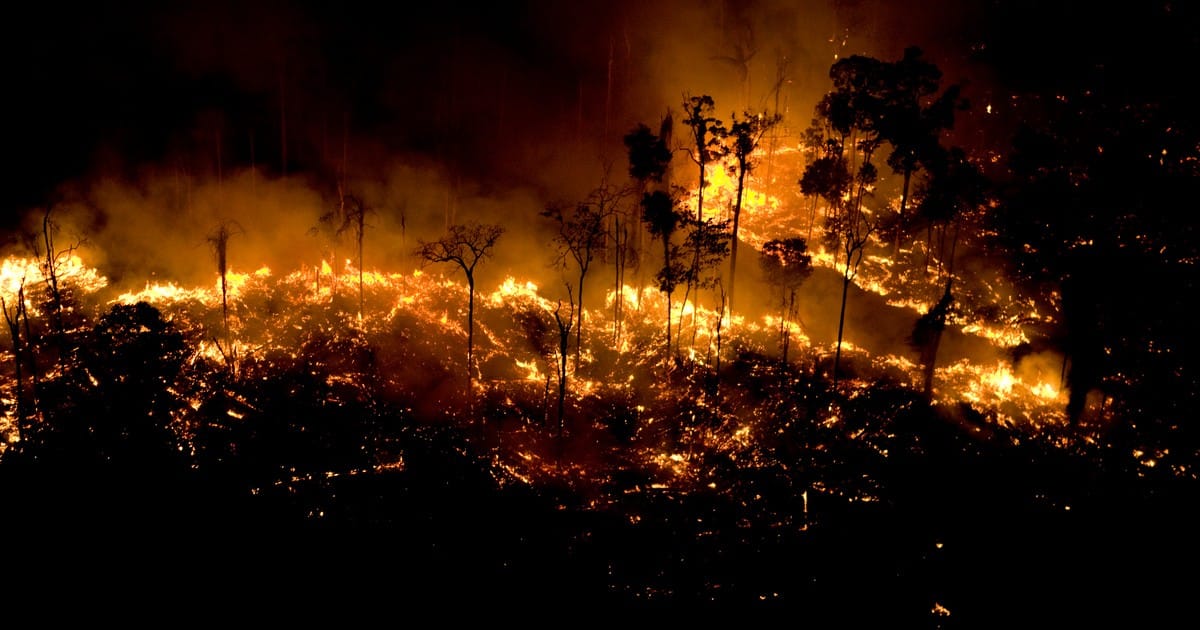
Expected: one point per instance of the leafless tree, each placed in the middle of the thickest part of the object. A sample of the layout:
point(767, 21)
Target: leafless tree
point(564, 336)
point(218, 239)
point(465, 245)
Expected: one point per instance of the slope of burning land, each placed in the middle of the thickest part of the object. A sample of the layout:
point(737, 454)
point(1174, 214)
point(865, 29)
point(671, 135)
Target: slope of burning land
point(659, 465)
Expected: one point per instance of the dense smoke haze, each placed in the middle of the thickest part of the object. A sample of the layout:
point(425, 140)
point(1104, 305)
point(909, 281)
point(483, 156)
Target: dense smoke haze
point(151, 119)
point(481, 98)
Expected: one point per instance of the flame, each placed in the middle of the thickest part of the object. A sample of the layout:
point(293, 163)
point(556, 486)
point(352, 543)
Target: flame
point(1014, 394)
point(997, 386)
point(532, 373)
point(72, 271)
point(511, 290)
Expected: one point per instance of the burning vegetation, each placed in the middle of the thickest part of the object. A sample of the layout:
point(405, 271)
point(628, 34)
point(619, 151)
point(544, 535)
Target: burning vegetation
point(751, 333)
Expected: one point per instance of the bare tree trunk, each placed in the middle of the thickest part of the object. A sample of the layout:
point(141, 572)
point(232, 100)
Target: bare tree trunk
point(361, 232)
point(564, 337)
point(14, 331)
point(669, 325)
point(621, 234)
point(470, 333)
point(717, 360)
point(812, 218)
point(579, 324)
point(31, 352)
point(903, 208)
point(733, 246)
point(837, 357)
point(787, 331)
point(51, 276)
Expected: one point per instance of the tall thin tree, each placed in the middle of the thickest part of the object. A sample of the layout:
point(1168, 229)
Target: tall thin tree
point(465, 245)
point(786, 264)
point(218, 240)
point(744, 137)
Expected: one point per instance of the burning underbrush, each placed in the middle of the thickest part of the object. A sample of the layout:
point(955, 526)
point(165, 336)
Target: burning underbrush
point(294, 402)
point(296, 365)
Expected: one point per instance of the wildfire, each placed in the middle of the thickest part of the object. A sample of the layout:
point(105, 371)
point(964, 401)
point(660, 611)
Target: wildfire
point(511, 290)
point(997, 386)
point(28, 273)
point(437, 300)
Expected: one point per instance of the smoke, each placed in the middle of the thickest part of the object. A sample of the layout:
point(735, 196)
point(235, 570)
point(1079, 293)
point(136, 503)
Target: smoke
point(259, 114)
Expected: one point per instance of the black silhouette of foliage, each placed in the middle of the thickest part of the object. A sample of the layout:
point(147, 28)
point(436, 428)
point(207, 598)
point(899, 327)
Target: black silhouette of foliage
point(112, 404)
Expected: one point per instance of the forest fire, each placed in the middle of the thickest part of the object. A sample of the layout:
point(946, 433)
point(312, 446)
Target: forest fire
point(431, 297)
point(621, 303)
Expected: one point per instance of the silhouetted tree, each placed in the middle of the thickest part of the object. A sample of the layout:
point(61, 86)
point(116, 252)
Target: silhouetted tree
point(465, 245)
point(744, 136)
point(954, 189)
point(786, 264)
point(59, 297)
point(913, 118)
point(564, 337)
point(218, 239)
point(12, 318)
point(851, 114)
point(927, 336)
point(352, 215)
point(649, 155)
point(706, 245)
point(332, 225)
point(827, 176)
point(623, 256)
point(537, 331)
point(354, 219)
point(782, 70)
point(579, 235)
point(707, 131)
point(649, 164)
point(662, 219)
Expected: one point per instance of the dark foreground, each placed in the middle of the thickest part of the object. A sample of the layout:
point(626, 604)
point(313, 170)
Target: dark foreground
point(964, 541)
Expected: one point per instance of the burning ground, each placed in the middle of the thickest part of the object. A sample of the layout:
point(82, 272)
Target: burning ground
point(483, 350)
point(294, 401)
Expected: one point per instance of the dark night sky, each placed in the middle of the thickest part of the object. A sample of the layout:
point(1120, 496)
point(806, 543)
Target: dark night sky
point(99, 87)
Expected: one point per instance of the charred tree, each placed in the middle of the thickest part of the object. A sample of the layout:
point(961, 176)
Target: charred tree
point(564, 340)
point(707, 131)
point(850, 116)
point(353, 214)
point(580, 235)
point(12, 318)
point(744, 137)
point(913, 118)
point(218, 239)
point(465, 245)
point(927, 336)
point(649, 164)
point(59, 299)
point(662, 220)
point(706, 245)
point(786, 264)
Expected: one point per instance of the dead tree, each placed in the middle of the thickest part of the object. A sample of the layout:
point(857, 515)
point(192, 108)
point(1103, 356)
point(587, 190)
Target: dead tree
point(786, 264)
point(564, 337)
point(465, 245)
point(13, 319)
point(218, 239)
